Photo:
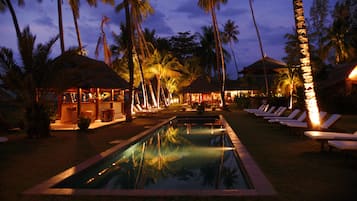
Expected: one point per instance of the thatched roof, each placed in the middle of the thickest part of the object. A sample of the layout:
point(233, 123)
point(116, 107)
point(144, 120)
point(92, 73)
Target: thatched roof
point(202, 85)
point(271, 66)
point(76, 71)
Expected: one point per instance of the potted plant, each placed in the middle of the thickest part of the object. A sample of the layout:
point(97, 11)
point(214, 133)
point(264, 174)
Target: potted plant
point(83, 123)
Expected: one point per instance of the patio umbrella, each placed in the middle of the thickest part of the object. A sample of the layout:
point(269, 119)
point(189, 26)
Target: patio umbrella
point(76, 71)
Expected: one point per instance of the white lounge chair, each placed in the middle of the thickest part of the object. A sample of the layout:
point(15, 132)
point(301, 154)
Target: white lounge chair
point(292, 115)
point(277, 113)
point(269, 111)
point(301, 118)
point(343, 145)
point(323, 136)
point(262, 108)
point(325, 125)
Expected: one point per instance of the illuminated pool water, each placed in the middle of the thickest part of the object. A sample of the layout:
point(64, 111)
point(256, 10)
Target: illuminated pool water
point(182, 156)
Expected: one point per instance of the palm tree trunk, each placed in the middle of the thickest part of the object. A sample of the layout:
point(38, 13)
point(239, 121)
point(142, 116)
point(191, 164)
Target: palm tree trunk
point(153, 97)
point(14, 19)
point(129, 117)
point(219, 56)
point(77, 30)
point(60, 24)
point(261, 48)
point(305, 63)
point(234, 58)
point(158, 91)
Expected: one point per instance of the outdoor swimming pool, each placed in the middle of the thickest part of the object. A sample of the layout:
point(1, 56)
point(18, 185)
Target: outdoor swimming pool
point(187, 155)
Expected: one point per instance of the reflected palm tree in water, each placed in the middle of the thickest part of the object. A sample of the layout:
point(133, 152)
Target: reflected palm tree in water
point(169, 155)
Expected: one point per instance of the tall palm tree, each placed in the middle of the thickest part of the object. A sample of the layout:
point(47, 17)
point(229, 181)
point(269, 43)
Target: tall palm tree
point(206, 51)
point(163, 67)
point(305, 64)
point(261, 47)
point(140, 9)
point(288, 82)
point(211, 6)
point(336, 39)
point(129, 47)
point(60, 25)
point(229, 36)
point(7, 4)
point(25, 80)
point(102, 40)
point(74, 4)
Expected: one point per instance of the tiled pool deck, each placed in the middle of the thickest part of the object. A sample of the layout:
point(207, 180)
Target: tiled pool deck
point(260, 185)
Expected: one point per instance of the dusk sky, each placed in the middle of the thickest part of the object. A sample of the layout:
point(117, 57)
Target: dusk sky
point(274, 18)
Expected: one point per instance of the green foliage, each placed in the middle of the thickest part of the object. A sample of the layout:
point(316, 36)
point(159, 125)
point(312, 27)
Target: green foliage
point(37, 122)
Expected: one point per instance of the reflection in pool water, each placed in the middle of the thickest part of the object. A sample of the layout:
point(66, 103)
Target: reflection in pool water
point(179, 155)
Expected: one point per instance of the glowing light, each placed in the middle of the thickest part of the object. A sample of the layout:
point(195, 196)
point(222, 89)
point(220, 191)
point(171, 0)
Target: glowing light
point(353, 74)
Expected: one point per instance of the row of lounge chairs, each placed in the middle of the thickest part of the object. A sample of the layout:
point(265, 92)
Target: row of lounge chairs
point(296, 119)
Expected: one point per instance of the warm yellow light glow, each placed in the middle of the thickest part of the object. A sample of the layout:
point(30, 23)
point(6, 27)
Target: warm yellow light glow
point(353, 74)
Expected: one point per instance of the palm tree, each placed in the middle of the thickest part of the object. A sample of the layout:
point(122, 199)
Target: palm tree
point(206, 51)
point(288, 82)
point(140, 9)
point(129, 47)
point(336, 39)
point(261, 47)
point(305, 64)
point(229, 36)
point(7, 4)
point(210, 6)
point(75, 13)
point(102, 40)
point(26, 80)
point(60, 25)
point(163, 67)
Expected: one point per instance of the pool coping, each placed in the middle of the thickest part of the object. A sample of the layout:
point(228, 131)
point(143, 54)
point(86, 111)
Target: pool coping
point(260, 184)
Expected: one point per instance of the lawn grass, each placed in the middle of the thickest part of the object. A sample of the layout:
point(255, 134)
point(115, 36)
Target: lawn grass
point(293, 164)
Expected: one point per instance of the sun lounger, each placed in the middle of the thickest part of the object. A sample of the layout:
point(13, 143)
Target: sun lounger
point(292, 115)
point(325, 125)
point(301, 118)
point(269, 111)
point(343, 145)
point(277, 113)
point(262, 108)
point(323, 136)
point(284, 122)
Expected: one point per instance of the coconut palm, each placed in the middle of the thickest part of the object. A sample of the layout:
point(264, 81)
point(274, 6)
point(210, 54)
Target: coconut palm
point(305, 63)
point(261, 47)
point(206, 51)
point(7, 4)
point(140, 9)
point(211, 6)
point(336, 39)
point(229, 36)
point(102, 40)
point(288, 82)
point(27, 79)
point(129, 47)
point(162, 66)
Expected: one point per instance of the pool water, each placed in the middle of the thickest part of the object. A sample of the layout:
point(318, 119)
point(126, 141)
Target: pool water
point(185, 153)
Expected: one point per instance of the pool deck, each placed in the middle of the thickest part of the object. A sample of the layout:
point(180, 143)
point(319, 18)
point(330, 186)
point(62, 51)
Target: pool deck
point(58, 126)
